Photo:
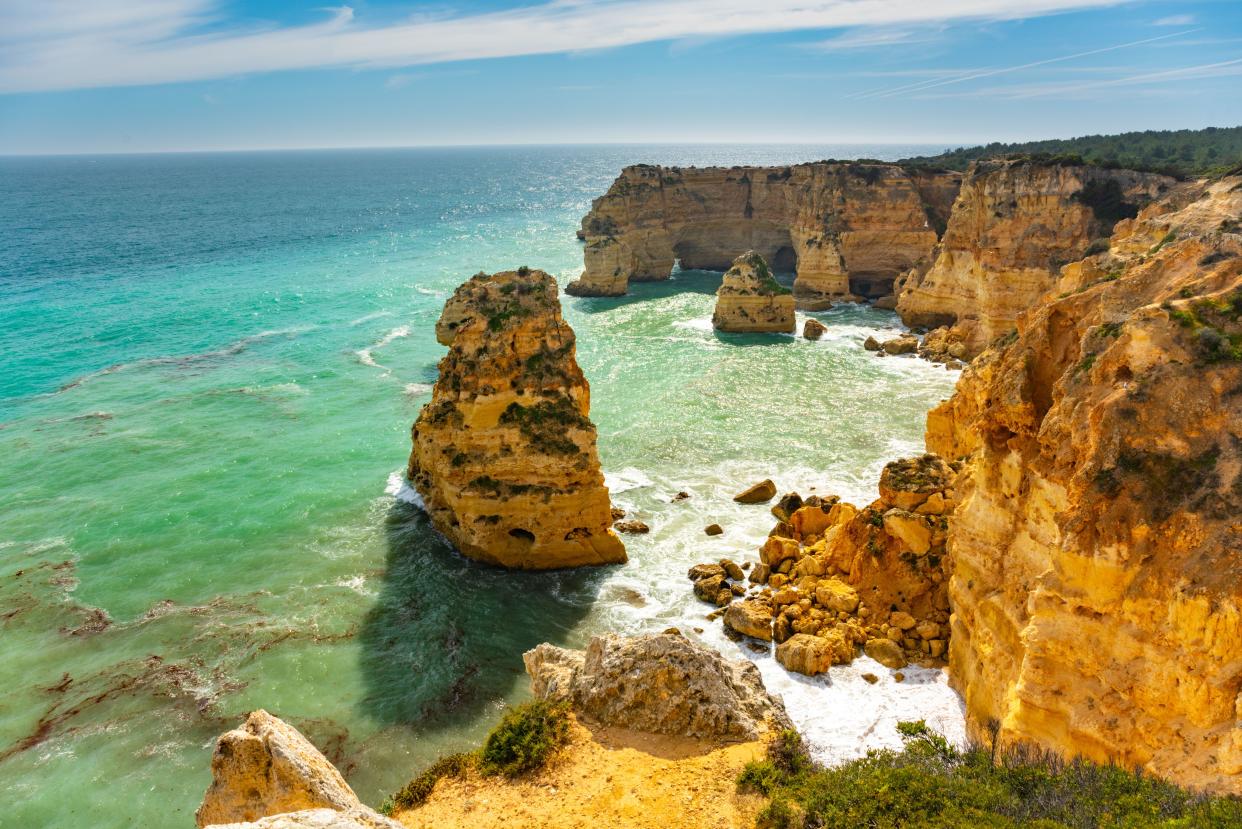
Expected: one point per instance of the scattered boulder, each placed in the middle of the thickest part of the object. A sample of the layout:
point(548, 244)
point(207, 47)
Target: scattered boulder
point(631, 527)
point(813, 329)
point(885, 651)
point(760, 493)
point(787, 506)
point(731, 569)
point(871, 344)
point(703, 571)
point(617, 514)
point(836, 596)
point(752, 617)
point(905, 344)
point(760, 573)
point(713, 529)
point(885, 303)
point(266, 767)
point(659, 683)
point(811, 655)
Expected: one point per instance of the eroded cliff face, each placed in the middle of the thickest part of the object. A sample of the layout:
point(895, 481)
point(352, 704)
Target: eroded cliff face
point(751, 300)
point(1012, 228)
point(504, 454)
point(846, 229)
point(1096, 553)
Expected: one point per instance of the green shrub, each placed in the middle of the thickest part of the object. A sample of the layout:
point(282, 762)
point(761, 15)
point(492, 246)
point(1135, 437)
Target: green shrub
point(418, 789)
point(526, 737)
point(930, 783)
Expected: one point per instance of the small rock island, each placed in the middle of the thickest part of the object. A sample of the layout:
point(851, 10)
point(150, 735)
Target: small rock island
point(504, 454)
point(750, 300)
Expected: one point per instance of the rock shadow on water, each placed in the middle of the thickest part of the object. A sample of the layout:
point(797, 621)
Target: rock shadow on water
point(445, 638)
point(681, 282)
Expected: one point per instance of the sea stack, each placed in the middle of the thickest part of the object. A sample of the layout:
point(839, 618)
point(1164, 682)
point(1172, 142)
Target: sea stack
point(504, 454)
point(751, 300)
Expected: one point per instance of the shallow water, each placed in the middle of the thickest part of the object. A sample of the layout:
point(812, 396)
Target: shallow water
point(209, 368)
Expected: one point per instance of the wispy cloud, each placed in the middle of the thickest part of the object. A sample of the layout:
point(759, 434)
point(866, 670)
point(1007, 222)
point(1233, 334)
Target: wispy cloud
point(72, 44)
point(1176, 20)
point(875, 38)
point(1005, 70)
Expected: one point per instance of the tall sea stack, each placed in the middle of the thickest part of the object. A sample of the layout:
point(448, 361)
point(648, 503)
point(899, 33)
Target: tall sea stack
point(504, 454)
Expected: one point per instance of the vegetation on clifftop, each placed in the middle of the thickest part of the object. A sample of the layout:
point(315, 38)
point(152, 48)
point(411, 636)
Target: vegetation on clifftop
point(524, 740)
point(1181, 153)
point(932, 784)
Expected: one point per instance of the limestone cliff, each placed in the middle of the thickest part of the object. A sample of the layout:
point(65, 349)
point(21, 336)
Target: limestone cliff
point(751, 300)
point(846, 229)
point(1013, 226)
point(504, 454)
point(1097, 550)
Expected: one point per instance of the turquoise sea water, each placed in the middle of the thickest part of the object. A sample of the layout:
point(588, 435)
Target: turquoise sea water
point(208, 369)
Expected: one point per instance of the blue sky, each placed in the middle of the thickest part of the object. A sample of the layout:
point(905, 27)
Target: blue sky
point(155, 75)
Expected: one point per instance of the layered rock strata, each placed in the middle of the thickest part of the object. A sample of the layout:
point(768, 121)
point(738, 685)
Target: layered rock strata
point(268, 773)
point(833, 577)
point(1012, 227)
point(660, 683)
point(1097, 550)
point(504, 454)
point(750, 300)
point(845, 229)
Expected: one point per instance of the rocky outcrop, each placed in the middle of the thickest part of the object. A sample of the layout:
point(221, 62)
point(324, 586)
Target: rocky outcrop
point(504, 454)
point(660, 683)
point(832, 577)
point(1013, 226)
point(750, 300)
point(361, 818)
point(267, 768)
point(846, 229)
point(1097, 549)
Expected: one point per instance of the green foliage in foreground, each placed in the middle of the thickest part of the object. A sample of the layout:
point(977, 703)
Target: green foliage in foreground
point(526, 737)
point(931, 784)
point(1181, 153)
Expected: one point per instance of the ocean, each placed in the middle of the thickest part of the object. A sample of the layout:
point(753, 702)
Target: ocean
point(209, 365)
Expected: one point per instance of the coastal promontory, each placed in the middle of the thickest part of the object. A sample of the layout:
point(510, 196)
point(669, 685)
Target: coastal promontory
point(504, 455)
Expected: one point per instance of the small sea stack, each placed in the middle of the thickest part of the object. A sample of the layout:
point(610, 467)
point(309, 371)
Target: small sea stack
point(504, 454)
point(750, 300)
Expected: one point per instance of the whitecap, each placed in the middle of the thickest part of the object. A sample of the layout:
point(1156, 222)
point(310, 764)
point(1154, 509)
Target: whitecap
point(372, 316)
point(399, 488)
point(416, 389)
point(366, 356)
point(625, 479)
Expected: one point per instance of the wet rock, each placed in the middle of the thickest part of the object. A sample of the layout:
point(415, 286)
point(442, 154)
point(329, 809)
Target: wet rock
point(905, 344)
point(658, 683)
point(632, 527)
point(617, 514)
point(702, 571)
point(885, 651)
point(787, 506)
point(813, 329)
point(752, 617)
point(707, 589)
point(760, 493)
point(811, 655)
point(871, 344)
point(731, 569)
point(886, 303)
point(759, 574)
point(713, 529)
point(681, 496)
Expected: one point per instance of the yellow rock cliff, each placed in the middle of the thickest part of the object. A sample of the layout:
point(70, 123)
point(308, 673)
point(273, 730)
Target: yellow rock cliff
point(1096, 554)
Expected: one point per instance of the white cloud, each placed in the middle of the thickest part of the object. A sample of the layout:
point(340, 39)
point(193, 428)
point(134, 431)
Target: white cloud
point(1175, 20)
point(73, 44)
point(871, 38)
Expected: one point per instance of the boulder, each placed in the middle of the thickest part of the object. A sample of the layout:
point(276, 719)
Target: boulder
point(909, 482)
point(752, 617)
point(358, 818)
point(871, 344)
point(659, 683)
point(886, 303)
point(632, 527)
point(731, 569)
point(914, 530)
point(708, 589)
point(905, 344)
point(836, 596)
point(266, 767)
point(813, 329)
point(787, 506)
point(885, 651)
point(713, 529)
point(811, 655)
point(760, 493)
point(703, 571)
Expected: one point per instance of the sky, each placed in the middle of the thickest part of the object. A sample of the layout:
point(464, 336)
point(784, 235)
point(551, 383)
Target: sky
point(87, 76)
